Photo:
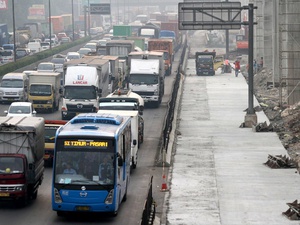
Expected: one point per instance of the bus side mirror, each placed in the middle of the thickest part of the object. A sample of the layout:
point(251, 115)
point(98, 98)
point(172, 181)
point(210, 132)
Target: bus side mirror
point(134, 142)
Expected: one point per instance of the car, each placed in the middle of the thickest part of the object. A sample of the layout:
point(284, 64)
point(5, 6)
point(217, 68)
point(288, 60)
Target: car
point(53, 42)
point(84, 51)
point(45, 45)
point(100, 42)
point(6, 56)
point(72, 55)
point(59, 61)
point(24, 109)
point(64, 40)
point(92, 46)
point(46, 67)
point(22, 52)
point(61, 35)
point(54, 38)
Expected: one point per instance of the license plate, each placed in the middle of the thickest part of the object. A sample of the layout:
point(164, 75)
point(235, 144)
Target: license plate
point(40, 106)
point(83, 208)
point(4, 194)
point(46, 156)
point(205, 73)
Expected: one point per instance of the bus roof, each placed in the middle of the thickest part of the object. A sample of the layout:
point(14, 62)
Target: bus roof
point(94, 125)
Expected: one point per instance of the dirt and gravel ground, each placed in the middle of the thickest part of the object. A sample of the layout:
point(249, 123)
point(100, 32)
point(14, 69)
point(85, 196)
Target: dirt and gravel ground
point(284, 119)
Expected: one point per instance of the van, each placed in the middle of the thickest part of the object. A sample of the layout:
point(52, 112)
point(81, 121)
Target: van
point(13, 87)
point(34, 47)
point(6, 56)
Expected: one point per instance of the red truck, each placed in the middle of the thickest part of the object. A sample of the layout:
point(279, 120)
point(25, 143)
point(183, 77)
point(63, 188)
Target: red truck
point(166, 46)
point(21, 158)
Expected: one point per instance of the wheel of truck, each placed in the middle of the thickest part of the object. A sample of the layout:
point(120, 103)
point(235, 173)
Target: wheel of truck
point(34, 195)
point(22, 202)
point(133, 164)
point(56, 106)
point(52, 108)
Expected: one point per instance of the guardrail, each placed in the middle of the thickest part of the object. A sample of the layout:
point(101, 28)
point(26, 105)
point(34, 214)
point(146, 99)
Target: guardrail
point(31, 59)
point(149, 207)
point(168, 121)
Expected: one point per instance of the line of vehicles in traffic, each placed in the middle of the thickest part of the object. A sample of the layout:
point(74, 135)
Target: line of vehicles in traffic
point(95, 145)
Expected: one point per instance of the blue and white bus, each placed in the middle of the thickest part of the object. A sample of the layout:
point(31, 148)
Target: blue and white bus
point(91, 169)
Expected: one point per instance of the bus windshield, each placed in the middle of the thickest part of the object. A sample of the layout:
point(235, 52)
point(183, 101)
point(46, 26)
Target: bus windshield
point(84, 162)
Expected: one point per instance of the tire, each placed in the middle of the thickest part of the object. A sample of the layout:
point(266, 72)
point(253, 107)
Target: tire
point(60, 213)
point(34, 195)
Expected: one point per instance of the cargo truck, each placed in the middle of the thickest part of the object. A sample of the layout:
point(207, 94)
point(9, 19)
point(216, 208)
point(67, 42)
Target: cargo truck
point(51, 127)
point(44, 90)
point(165, 46)
point(137, 131)
point(21, 158)
point(146, 76)
point(85, 81)
point(120, 48)
point(170, 30)
point(205, 63)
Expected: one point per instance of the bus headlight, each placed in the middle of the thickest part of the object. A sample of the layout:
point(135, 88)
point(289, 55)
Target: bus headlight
point(109, 198)
point(57, 198)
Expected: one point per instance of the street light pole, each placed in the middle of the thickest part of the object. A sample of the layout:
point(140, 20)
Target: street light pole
point(49, 11)
point(89, 19)
point(73, 21)
point(14, 29)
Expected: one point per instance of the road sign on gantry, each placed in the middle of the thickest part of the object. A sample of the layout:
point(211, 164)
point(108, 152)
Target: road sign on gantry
point(102, 9)
point(209, 15)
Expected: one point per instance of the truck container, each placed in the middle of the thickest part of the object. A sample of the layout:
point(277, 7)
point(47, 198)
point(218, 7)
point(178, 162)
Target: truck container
point(120, 48)
point(122, 30)
point(67, 21)
point(149, 31)
point(115, 78)
point(139, 42)
point(85, 81)
point(44, 90)
point(166, 46)
point(21, 158)
point(4, 36)
point(170, 30)
point(57, 24)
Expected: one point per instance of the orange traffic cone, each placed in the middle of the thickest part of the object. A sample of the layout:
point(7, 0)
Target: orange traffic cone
point(164, 186)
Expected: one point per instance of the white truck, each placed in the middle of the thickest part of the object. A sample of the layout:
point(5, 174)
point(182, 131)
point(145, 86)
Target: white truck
point(146, 76)
point(21, 158)
point(44, 90)
point(137, 131)
point(85, 81)
point(122, 99)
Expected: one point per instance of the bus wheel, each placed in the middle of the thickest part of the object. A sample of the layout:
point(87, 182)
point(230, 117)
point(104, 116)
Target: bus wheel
point(60, 213)
point(125, 195)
